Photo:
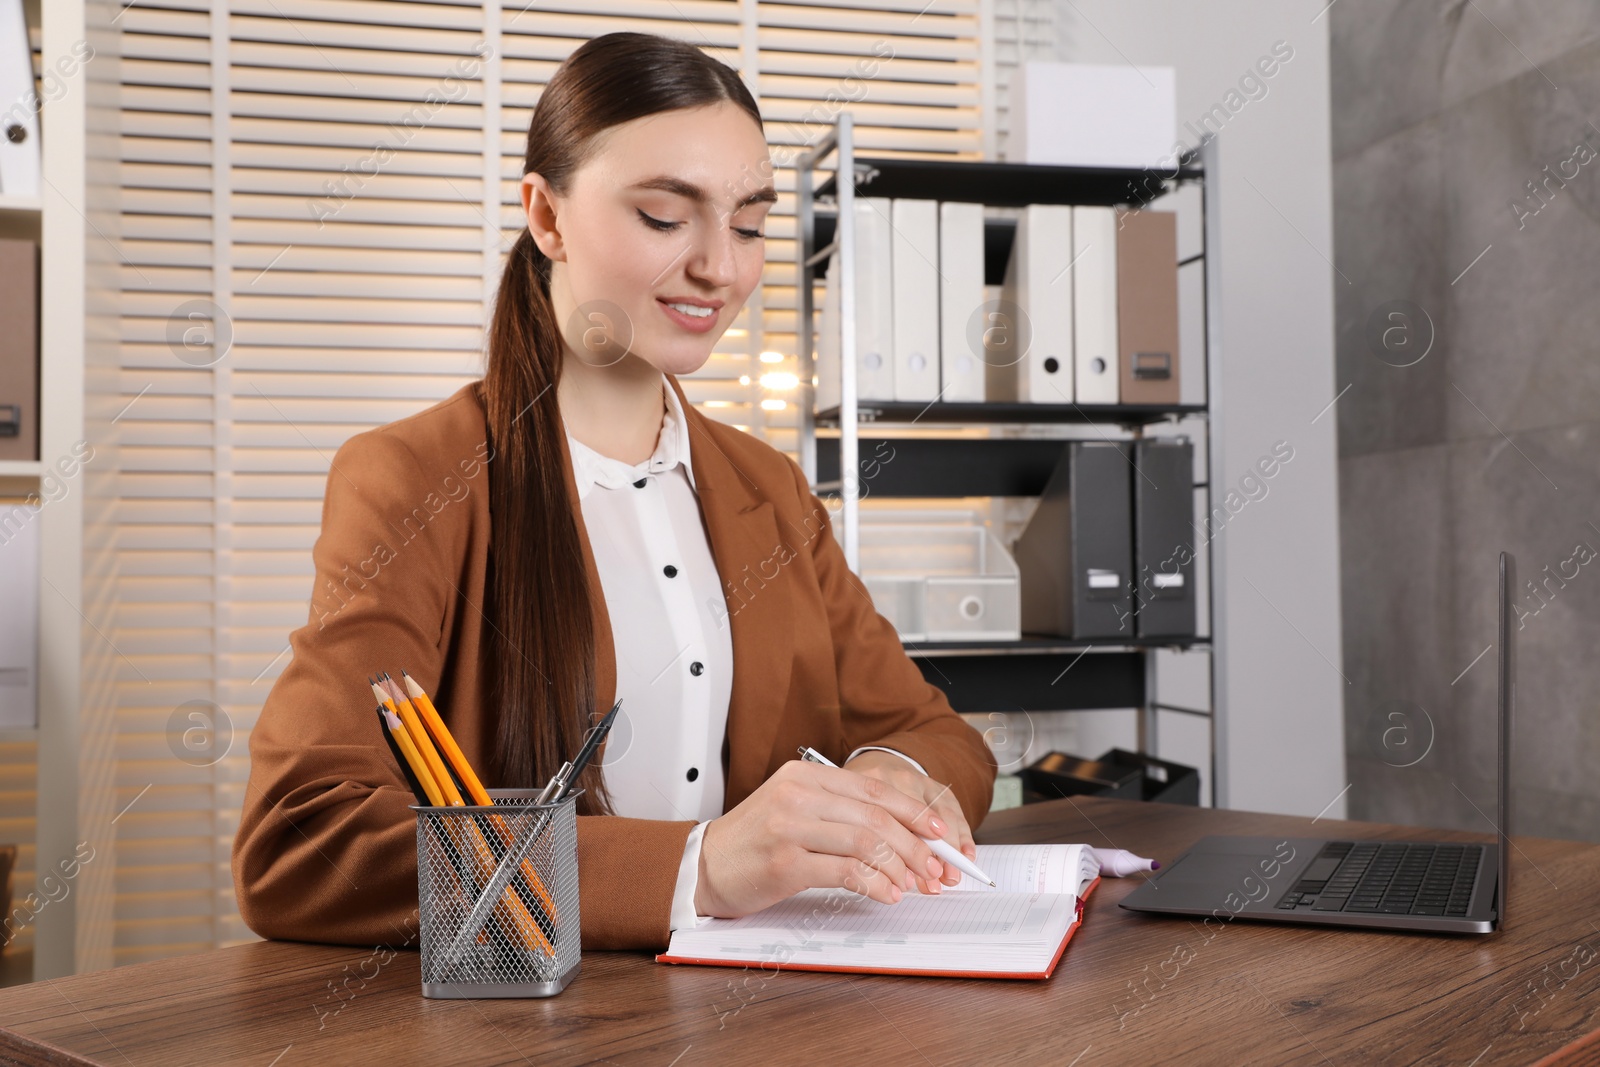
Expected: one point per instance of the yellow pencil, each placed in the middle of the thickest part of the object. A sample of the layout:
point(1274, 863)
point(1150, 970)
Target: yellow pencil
point(397, 702)
point(458, 760)
point(397, 730)
point(444, 793)
point(441, 733)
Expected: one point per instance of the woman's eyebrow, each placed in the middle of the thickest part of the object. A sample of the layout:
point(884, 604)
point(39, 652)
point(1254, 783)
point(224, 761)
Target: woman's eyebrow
point(689, 190)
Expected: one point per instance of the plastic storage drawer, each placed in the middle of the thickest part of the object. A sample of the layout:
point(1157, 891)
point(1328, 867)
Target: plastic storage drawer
point(950, 582)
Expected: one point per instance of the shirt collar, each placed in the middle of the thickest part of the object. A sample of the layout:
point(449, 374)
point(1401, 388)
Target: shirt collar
point(590, 468)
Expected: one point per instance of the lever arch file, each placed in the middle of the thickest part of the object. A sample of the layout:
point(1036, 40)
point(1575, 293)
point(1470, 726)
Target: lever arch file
point(961, 365)
point(1075, 556)
point(874, 311)
point(1147, 306)
point(1094, 303)
point(1163, 535)
point(915, 273)
point(1039, 286)
point(19, 123)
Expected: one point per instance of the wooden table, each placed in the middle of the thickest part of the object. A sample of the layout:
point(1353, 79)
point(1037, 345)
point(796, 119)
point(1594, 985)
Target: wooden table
point(1130, 990)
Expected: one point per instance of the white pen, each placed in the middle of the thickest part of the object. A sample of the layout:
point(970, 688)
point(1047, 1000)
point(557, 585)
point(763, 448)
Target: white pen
point(1119, 862)
point(941, 848)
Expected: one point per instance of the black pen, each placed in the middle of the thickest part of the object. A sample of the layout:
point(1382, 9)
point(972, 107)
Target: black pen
point(556, 789)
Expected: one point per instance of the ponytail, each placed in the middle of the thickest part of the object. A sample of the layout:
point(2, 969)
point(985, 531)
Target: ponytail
point(540, 644)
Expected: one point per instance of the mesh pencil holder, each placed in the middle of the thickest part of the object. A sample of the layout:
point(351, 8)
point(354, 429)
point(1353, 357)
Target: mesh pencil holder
point(497, 891)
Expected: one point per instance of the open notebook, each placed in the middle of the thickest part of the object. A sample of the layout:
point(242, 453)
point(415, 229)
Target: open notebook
point(1017, 930)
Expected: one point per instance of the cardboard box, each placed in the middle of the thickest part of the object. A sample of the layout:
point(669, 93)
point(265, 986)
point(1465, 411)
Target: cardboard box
point(1092, 115)
point(19, 350)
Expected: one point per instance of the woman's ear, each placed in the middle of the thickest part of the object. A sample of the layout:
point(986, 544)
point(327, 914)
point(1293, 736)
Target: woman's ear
point(539, 206)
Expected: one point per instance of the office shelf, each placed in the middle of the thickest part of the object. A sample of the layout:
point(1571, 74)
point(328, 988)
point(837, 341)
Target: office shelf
point(1037, 645)
point(1009, 184)
point(74, 746)
point(1060, 680)
point(967, 413)
point(944, 467)
point(1043, 672)
point(923, 449)
point(20, 205)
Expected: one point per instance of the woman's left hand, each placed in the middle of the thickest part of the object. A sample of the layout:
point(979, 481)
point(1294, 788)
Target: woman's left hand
point(895, 771)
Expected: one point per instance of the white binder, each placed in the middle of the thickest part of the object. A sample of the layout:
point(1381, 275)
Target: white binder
point(916, 299)
point(1038, 292)
point(961, 365)
point(19, 124)
point(1094, 299)
point(874, 311)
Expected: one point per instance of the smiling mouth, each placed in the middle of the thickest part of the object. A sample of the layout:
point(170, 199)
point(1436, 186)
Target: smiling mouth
point(690, 318)
point(692, 310)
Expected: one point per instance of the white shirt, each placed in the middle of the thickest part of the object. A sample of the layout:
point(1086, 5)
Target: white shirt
point(663, 757)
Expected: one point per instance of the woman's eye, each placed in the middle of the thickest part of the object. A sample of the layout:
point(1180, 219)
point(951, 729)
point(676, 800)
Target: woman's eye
point(667, 227)
point(657, 224)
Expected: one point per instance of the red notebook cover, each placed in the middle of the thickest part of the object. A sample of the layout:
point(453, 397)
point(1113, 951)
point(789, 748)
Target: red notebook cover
point(1046, 973)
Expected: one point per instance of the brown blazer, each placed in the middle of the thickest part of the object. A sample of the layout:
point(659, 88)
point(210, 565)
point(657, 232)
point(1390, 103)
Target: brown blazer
point(326, 848)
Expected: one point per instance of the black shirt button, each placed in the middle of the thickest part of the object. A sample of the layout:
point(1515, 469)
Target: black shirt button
point(670, 571)
point(696, 667)
point(640, 483)
point(694, 772)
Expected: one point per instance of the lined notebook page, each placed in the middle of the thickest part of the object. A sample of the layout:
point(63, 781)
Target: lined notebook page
point(1032, 869)
point(837, 912)
point(1016, 928)
point(959, 932)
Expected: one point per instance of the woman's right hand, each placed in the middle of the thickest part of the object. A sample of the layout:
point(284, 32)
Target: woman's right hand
point(811, 826)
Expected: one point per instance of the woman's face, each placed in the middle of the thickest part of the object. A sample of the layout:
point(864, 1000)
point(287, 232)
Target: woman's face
point(668, 209)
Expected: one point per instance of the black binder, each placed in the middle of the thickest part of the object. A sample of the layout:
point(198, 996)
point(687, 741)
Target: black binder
point(1075, 556)
point(1163, 523)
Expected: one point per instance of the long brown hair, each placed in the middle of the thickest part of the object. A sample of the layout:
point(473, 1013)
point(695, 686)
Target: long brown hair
point(540, 649)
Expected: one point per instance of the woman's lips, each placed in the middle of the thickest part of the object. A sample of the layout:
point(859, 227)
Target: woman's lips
point(688, 322)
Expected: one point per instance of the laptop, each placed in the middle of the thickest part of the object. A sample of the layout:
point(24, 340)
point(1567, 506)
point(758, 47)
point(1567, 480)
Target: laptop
point(1447, 886)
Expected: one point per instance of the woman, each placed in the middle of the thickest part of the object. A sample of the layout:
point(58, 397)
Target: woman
point(570, 530)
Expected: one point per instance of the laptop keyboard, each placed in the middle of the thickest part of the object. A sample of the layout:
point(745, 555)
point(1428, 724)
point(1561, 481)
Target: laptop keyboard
point(1387, 879)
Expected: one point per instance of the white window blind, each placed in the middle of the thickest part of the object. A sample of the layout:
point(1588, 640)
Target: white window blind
point(355, 292)
point(19, 751)
point(1023, 30)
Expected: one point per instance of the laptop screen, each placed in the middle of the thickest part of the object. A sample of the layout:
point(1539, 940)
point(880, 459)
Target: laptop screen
point(1506, 704)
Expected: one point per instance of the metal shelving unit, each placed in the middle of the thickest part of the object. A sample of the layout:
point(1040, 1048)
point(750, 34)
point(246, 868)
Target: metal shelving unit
point(982, 676)
point(73, 747)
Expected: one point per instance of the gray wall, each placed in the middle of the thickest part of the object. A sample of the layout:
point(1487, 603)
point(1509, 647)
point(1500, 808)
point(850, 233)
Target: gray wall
point(1442, 115)
point(1278, 557)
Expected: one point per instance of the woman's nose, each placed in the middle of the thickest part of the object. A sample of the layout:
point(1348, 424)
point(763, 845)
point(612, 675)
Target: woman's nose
point(713, 260)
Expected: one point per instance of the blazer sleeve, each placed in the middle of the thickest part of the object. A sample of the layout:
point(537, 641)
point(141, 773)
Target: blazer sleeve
point(883, 697)
point(326, 846)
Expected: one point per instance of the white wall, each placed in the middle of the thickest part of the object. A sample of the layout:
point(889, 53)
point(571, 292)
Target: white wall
point(1282, 746)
